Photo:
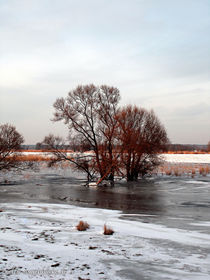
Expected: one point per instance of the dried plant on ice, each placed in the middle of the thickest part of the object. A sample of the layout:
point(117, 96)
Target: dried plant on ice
point(82, 226)
point(108, 230)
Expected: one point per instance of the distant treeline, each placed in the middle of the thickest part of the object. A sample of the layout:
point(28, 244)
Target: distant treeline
point(186, 147)
point(170, 147)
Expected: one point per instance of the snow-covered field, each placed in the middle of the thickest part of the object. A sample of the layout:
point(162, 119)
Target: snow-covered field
point(174, 158)
point(40, 241)
point(187, 158)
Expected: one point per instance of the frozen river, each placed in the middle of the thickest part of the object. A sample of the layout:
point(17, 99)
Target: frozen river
point(162, 227)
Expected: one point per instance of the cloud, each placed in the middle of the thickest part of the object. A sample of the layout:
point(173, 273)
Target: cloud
point(155, 52)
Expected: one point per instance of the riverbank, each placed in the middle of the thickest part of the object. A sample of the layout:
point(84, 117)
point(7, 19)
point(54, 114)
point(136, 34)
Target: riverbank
point(40, 241)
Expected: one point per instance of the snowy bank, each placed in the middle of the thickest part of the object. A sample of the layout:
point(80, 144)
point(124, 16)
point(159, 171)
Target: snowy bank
point(40, 241)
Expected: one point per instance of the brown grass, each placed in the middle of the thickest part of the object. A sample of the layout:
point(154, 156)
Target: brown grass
point(193, 173)
point(183, 169)
point(37, 158)
point(207, 169)
point(31, 158)
point(108, 230)
point(82, 226)
point(176, 172)
point(42, 151)
point(201, 170)
point(168, 172)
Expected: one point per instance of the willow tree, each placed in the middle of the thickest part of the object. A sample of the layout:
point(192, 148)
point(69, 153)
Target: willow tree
point(141, 137)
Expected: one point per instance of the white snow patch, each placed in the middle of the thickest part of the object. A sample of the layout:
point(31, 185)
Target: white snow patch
point(187, 158)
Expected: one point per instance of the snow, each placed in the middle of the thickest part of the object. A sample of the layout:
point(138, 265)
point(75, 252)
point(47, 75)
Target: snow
point(40, 241)
point(175, 158)
point(187, 158)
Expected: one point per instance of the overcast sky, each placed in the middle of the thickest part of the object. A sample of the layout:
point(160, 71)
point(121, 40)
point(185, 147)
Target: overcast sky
point(157, 52)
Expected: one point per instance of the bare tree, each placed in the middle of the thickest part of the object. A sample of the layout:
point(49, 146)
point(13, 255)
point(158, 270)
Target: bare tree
point(79, 161)
point(141, 137)
point(123, 141)
point(10, 142)
point(89, 112)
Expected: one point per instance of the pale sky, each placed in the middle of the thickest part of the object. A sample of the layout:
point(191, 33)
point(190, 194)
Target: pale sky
point(157, 52)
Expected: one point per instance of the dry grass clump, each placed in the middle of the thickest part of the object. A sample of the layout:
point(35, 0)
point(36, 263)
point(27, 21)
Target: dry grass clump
point(108, 230)
point(193, 172)
point(168, 172)
point(82, 226)
point(202, 171)
point(176, 172)
point(207, 169)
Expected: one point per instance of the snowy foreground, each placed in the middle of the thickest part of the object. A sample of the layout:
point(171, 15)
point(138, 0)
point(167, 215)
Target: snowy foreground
point(40, 241)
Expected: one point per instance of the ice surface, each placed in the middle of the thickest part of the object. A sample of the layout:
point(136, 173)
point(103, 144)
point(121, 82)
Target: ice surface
point(40, 241)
